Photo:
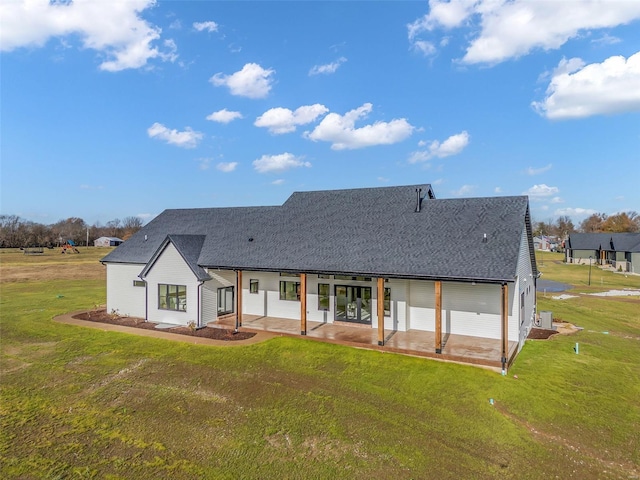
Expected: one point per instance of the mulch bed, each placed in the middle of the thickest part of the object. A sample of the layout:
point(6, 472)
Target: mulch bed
point(541, 333)
point(101, 316)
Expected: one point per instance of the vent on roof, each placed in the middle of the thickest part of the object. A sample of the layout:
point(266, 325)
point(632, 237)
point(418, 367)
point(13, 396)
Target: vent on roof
point(484, 238)
point(418, 199)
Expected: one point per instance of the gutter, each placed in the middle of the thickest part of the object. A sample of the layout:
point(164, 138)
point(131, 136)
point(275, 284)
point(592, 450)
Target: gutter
point(499, 281)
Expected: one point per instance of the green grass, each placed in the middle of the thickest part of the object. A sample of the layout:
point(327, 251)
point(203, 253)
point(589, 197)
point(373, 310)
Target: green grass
point(84, 403)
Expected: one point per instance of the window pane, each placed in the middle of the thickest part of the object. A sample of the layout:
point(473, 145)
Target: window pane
point(323, 296)
point(387, 302)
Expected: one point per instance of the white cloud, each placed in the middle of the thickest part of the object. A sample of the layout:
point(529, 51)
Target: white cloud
point(464, 190)
point(114, 29)
point(575, 212)
point(91, 187)
point(557, 200)
point(204, 163)
point(224, 116)
point(145, 216)
point(537, 171)
point(451, 146)
point(279, 163)
point(328, 68)
point(606, 39)
point(511, 29)
point(227, 167)
point(577, 90)
point(186, 139)
point(341, 132)
point(208, 26)
point(541, 192)
point(424, 47)
point(282, 120)
point(252, 81)
point(279, 181)
point(497, 190)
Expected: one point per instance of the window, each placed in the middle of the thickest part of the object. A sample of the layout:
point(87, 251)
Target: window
point(349, 277)
point(225, 300)
point(139, 283)
point(323, 296)
point(289, 290)
point(387, 302)
point(324, 276)
point(285, 274)
point(172, 297)
point(253, 286)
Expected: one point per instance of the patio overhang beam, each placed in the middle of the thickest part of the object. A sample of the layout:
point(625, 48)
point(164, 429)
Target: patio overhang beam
point(386, 275)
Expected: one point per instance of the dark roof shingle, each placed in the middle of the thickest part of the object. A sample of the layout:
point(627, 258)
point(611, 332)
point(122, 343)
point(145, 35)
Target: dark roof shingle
point(374, 231)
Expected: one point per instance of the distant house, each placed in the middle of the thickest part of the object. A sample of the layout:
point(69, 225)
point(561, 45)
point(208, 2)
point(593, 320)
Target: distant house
point(619, 250)
point(390, 259)
point(107, 242)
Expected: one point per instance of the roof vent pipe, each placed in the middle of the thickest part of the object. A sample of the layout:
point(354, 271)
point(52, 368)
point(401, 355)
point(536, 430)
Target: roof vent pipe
point(484, 238)
point(418, 195)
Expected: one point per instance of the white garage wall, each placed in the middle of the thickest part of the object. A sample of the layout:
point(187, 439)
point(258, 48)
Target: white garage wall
point(122, 296)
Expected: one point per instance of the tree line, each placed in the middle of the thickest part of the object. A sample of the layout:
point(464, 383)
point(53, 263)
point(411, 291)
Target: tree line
point(16, 232)
point(562, 227)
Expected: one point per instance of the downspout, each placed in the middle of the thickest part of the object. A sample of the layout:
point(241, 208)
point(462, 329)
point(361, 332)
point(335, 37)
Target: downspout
point(199, 312)
point(146, 301)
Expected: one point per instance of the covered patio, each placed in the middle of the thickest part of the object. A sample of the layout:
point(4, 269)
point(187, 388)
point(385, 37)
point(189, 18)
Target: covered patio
point(479, 351)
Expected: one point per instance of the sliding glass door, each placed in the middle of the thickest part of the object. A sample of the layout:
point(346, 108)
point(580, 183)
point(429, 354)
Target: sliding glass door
point(353, 304)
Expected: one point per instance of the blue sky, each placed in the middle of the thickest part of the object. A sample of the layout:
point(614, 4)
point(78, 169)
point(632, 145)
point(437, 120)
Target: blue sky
point(116, 109)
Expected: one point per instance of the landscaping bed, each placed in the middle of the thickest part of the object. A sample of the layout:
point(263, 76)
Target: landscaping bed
point(101, 316)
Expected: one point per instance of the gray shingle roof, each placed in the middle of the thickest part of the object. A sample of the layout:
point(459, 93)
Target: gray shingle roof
point(371, 232)
point(619, 242)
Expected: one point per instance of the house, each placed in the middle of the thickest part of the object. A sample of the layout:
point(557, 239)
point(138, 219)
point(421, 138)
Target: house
point(390, 259)
point(107, 242)
point(619, 250)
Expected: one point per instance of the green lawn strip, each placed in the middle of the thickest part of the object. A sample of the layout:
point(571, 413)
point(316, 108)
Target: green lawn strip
point(79, 402)
point(553, 267)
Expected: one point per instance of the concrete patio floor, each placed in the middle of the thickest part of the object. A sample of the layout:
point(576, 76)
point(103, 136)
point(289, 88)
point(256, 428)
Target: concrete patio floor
point(484, 352)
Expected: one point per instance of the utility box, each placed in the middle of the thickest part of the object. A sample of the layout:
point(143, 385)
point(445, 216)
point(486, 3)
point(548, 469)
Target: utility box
point(546, 319)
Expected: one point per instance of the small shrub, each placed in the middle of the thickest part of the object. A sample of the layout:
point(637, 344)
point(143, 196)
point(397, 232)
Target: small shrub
point(192, 325)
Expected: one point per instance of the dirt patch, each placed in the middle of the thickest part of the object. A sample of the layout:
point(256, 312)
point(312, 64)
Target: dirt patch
point(101, 316)
point(541, 333)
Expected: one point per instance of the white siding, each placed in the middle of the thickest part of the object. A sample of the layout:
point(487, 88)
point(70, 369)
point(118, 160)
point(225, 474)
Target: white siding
point(209, 302)
point(523, 317)
point(399, 305)
point(473, 310)
point(219, 279)
point(422, 305)
point(171, 269)
point(122, 296)
point(467, 309)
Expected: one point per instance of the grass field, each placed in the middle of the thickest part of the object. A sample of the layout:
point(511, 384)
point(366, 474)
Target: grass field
point(83, 403)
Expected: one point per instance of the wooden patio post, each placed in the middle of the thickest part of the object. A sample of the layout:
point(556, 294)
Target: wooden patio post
point(505, 325)
point(238, 298)
point(381, 311)
point(438, 286)
point(303, 304)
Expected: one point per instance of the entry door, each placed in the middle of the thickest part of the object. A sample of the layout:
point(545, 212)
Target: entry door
point(225, 300)
point(353, 304)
